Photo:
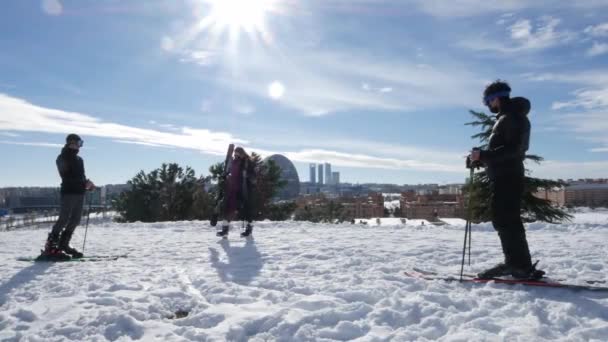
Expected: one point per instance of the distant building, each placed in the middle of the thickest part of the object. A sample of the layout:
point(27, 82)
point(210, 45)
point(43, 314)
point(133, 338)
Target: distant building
point(368, 206)
point(557, 196)
point(577, 195)
point(364, 206)
point(320, 173)
point(455, 189)
point(335, 178)
point(587, 195)
point(313, 173)
point(328, 174)
point(290, 174)
point(431, 206)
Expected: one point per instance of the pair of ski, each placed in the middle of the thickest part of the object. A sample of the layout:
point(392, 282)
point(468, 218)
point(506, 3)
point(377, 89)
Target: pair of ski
point(473, 279)
point(87, 258)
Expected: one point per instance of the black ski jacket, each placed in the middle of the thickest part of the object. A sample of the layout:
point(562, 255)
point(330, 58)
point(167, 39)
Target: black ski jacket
point(71, 170)
point(509, 141)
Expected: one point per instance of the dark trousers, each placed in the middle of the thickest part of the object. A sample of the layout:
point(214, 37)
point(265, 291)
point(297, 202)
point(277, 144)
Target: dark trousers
point(69, 217)
point(507, 193)
point(237, 202)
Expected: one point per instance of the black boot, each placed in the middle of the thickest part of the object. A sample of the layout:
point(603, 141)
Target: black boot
point(64, 245)
point(247, 231)
point(530, 272)
point(499, 270)
point(52, 251)
point(213, 219)
point(72, 251)
point(224, 231)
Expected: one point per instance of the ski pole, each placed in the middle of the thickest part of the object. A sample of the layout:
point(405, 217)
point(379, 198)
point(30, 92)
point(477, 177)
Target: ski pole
point(86, 226)
point(467, 228)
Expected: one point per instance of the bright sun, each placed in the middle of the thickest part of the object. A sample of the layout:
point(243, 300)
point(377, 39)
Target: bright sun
point(236, 15)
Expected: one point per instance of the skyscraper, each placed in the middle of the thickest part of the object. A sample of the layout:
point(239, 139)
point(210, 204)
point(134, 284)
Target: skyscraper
point(320, 169)
point(335, 178)
point(313, 173)
point(328, 174)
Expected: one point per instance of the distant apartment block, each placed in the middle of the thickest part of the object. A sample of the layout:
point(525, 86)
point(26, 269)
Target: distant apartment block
point(578, 195)
point(364, 206)
point(431, 206)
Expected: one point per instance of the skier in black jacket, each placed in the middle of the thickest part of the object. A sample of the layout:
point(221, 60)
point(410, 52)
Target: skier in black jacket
point(74, 184)
point(504, 162)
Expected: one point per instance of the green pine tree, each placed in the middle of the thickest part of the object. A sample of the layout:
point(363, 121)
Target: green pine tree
point(533, 208)
point(169, 193)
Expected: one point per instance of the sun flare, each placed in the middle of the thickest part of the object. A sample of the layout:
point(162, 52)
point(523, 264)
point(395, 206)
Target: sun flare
point(237, 15)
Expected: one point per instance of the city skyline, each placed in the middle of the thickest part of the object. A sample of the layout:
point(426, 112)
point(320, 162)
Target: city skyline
point(379, 89)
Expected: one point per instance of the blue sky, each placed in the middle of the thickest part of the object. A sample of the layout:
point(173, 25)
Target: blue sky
point(379, 88)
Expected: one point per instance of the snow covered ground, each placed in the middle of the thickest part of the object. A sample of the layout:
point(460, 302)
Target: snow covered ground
point(299, 282)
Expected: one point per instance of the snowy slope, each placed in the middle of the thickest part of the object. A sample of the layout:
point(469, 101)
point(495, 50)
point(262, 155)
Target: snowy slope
point(298, 282)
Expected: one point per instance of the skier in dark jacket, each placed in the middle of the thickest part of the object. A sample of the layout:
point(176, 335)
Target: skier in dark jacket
point(504, 162)
point(74, 184)
point(240, 183)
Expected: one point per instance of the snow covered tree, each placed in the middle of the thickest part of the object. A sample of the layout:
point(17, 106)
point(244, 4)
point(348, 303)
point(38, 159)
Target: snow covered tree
point(533, 208)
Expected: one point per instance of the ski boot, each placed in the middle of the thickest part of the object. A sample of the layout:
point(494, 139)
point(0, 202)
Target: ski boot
point(72, 252)
point(497, 271)
point(530, 273)
point(224, 232)
point(64, 245)
point(213, 219)
point(248, 230)
point(51, 251)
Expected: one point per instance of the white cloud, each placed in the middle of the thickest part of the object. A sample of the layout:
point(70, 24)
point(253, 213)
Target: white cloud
point(469, 8)
point(600, 30)
point(36, 144)
point(206, 106)
point(8, 134)
point(167, 44)
point(553, 169)
point(456, 8)
point(23, 116)
point(320, 83)
point(591, 78)
point(464, 8)
point(587, 114)
point(244, 109)
point(19, 115)
point(597, 49)
point(587, 99)
point(366, 161)
point(522, 29)
point(325, 80)
point(200, 57)
point(525, 35)
point(52, 7)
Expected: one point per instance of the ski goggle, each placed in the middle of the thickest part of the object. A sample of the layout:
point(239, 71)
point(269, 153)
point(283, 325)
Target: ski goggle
point(488, 99)
point(78, 142)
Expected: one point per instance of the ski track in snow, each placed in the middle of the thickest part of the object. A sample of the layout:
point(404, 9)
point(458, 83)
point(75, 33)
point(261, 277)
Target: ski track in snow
point(298, 281)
